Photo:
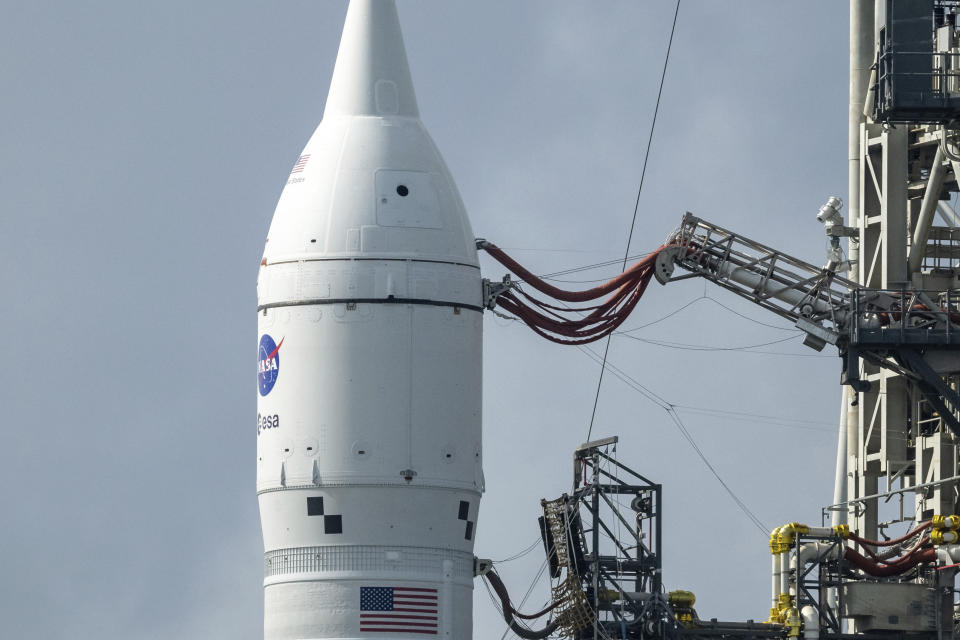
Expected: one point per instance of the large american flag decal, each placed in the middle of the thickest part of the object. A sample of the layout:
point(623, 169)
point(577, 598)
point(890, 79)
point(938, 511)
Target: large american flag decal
point(398, 610)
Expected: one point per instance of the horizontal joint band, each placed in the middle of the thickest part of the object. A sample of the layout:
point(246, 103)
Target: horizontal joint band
point(415, 301)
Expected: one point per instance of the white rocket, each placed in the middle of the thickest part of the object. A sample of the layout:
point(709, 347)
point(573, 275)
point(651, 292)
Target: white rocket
point(369, 368)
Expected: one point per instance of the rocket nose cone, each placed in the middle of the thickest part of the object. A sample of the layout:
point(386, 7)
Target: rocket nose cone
point(371, 76)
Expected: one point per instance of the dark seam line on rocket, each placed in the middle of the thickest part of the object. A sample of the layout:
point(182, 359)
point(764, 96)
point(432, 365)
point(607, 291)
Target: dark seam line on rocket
point(314, 487)
point(429, 303)
point(459, 264)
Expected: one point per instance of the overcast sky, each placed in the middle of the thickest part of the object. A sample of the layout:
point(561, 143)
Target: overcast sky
point(141, 155)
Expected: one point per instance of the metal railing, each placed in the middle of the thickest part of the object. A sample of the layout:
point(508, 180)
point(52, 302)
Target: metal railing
point(780, 283)
point(930, 95)
point(904, 316)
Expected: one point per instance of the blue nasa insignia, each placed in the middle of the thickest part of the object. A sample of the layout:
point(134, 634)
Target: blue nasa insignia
point(268, 364)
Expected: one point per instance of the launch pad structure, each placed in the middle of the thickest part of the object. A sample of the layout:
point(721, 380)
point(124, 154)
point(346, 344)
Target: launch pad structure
point(370, 274)
point(604, 550)
point(882, 562)
point(902, 176)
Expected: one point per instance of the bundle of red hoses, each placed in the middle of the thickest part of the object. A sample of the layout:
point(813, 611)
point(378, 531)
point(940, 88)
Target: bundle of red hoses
point(574, 325)
point(884, 565)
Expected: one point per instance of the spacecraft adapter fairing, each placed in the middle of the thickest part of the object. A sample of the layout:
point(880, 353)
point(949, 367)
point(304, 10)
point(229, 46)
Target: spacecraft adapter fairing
point(369, 369)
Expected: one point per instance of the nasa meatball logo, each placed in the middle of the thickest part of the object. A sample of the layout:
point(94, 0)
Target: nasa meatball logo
point(268, 363)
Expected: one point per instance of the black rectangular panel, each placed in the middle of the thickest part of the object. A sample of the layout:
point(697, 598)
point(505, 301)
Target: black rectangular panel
point(315, 506)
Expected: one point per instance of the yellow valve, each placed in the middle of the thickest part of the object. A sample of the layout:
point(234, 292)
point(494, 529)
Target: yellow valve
point(681, 598)
point(686, 619)
point(791, 620)
point(784, 601)
point(682, 603)
point(842, 530)
point(945, 522)
point(941, 536)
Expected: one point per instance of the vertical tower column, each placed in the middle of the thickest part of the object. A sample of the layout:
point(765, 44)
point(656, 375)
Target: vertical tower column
point(861, 58)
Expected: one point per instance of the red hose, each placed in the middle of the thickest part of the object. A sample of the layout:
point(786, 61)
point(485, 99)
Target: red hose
point(902, 565)
point(569, 296)
point(547, 327)
point(924, 541)
point(579, 325)
point(890, 543)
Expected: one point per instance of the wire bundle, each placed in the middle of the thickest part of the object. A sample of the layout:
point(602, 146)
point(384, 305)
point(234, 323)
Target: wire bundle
point(574, 325)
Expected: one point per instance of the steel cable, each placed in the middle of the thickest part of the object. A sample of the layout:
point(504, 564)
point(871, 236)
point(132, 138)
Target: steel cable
point(636, 206)
point(678, 422)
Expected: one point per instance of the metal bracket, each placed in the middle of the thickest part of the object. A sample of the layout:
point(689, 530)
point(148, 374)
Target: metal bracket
point(850, 374)
point(817, 336)
point(482, 566)
point(493, 290)
point(839, 231)
point(665, 263)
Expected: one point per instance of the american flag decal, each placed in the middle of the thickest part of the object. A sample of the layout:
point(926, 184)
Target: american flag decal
point(398, 610)
point(301, 163)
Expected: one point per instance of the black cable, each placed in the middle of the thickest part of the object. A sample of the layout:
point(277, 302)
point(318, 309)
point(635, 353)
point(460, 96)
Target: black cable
point(507, 609)
point(703, 347)
point(595, 265)
point(745, 317)
point(757, 418)
point(719, 304)
point(740, 503)
point(527, 550)
point(636, 206)
point(661, 318)
point(670, 409)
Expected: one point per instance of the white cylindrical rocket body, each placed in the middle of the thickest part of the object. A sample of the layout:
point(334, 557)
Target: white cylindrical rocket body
point(369, 369)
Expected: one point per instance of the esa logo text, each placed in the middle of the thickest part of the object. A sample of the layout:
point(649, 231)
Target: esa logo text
point(267, 422)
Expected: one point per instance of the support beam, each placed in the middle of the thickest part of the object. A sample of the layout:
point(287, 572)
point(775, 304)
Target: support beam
point(893, 209)
point(861, 58)
point(928, 206)
point(947, 214)
point(840, 478)
point(937, 391)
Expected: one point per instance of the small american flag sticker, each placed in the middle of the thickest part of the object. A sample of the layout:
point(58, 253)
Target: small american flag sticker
point(301, 163)
point(398, 610)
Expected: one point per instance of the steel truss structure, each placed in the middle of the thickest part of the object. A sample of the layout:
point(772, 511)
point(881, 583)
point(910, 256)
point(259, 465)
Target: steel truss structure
point(829, 584)
point(615, 513)
point(606, 535)
point(902, 428)
point(896, 317)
